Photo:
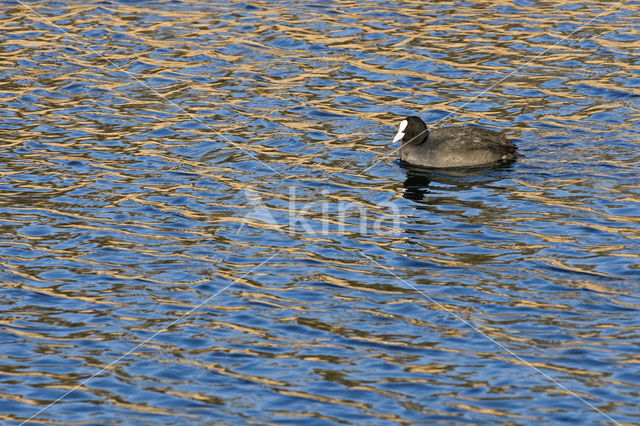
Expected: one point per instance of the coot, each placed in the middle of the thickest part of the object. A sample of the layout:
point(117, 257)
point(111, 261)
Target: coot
point(456, 146)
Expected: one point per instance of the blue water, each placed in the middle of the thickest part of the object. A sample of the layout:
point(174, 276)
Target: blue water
point(204, 219)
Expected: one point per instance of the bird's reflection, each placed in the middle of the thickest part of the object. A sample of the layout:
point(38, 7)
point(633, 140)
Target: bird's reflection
point(420, 181)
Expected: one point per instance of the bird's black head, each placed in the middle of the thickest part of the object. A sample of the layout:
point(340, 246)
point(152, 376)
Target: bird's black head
point(412, 131)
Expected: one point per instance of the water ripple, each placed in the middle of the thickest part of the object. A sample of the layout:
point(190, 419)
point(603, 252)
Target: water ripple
point(204, 220)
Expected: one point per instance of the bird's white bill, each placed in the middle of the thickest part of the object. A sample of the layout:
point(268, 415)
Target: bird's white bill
point(401, 128)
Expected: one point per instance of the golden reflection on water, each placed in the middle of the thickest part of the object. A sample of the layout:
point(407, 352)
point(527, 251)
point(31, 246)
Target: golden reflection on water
point(101, 145)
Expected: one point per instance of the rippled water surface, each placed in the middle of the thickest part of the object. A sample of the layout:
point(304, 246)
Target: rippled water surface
point(204, 219)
